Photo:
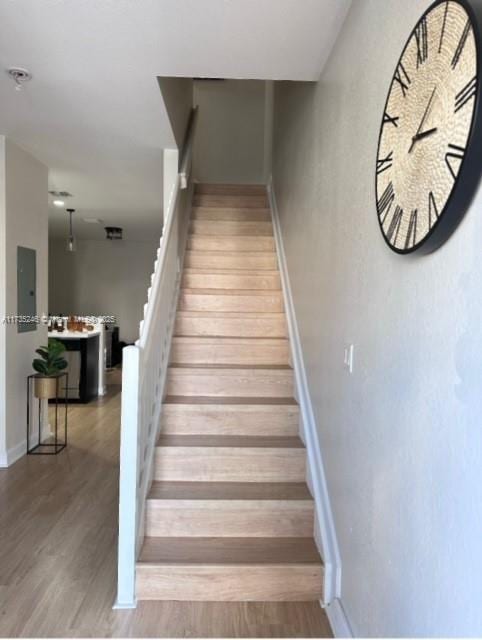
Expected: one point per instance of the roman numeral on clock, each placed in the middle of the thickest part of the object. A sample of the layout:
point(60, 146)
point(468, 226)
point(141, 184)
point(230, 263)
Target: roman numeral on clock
point(467, 93)
point(395, 223)
point(384, 163)
point(432, 209)
point(421, 38)
point(454, 154)
point(385, 202)
point(411, 238)
point(460, 47)
point(403, 79)
point(388, 119)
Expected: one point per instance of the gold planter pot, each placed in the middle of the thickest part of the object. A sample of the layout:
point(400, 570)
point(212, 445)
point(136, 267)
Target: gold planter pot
point(45, 387)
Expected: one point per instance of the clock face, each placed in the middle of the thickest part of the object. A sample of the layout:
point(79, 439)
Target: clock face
point(426, 128)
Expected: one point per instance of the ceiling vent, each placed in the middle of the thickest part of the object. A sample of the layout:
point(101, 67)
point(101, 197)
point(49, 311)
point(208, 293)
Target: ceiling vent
point(113, 233)
point(60, 194)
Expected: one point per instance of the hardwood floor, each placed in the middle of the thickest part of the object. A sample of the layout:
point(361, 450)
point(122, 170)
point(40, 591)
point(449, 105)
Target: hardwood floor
point(58, 539)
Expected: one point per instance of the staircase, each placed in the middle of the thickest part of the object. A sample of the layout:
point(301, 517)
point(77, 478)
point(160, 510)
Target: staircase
point(229, 516)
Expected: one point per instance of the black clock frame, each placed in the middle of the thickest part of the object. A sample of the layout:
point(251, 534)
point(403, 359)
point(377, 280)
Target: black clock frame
point(469, 174)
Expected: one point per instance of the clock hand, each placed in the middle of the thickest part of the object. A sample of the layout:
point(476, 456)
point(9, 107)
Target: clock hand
point(424, 134)
point(427, 110)
point(414, 139)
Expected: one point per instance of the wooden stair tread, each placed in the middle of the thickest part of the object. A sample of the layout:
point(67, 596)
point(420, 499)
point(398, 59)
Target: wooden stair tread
point(213, 368)
point(254, 201)
point(229, 491)
point(229, 340)
point(232, 351)
point(238, 442)
point(267, 293)
point(230, 228)
point(246, 236)
point(225, 400)
point(230, 272)
point(224, 337)
point(231, 279)
point(206, 253)
point(219, 188)
point(229, 214)
point(243, 324)
point(208, 551)
point(228, 254)
point(232, 315)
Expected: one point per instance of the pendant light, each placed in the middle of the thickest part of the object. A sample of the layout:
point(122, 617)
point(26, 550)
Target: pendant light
point(71, 244)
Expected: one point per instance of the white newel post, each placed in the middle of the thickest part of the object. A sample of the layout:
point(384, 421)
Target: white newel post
point(128, 479)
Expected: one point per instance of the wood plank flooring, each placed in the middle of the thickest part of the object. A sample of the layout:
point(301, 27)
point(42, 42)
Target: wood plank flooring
point(58, 545)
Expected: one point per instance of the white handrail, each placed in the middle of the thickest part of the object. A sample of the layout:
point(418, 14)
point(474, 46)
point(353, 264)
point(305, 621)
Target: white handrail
point(186, 160)
point(144, 373)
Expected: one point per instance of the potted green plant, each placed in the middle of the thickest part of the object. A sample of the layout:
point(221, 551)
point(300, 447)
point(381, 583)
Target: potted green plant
point(48, 367)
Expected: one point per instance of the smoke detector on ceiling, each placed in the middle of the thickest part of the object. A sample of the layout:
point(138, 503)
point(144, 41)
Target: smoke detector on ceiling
point(20, 76)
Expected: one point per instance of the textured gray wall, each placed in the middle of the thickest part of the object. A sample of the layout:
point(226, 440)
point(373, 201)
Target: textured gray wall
point(229, 145)
point(401, 436)
point(102, 278)
point(23, 189)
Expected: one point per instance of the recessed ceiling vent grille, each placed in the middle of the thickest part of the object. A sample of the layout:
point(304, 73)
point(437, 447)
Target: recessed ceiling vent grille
point(60, 194)
point(113, 233)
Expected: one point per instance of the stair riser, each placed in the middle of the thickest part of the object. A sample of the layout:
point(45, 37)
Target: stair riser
point(271, 303)
point(248, 384)
point(230, 583)
point(233, 215)
point(231, 201)
point(229, 281)
point(207, 351)
point(257, 327)
point(227, 228)
point(230, 243)
point(229, 464)
point(239, 518)
point(243, 420)
point(213, 260)
point(230, 189)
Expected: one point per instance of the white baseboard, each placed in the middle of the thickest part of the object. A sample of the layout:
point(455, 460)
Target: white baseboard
point(338, 620)
point(13, 454)
point(326, 537)
point(124, 605)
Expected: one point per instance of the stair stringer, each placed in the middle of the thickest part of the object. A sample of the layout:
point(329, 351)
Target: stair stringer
point(325, 533)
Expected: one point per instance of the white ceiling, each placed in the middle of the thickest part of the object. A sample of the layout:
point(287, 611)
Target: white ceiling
point(93, 112)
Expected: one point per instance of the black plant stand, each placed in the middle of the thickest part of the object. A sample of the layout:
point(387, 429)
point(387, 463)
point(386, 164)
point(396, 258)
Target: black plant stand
point(47, 448)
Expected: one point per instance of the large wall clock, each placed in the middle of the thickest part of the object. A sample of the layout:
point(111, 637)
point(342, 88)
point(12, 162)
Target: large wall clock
point(430, 144)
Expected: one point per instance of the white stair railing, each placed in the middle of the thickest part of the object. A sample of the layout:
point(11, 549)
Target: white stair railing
point(144, 373)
